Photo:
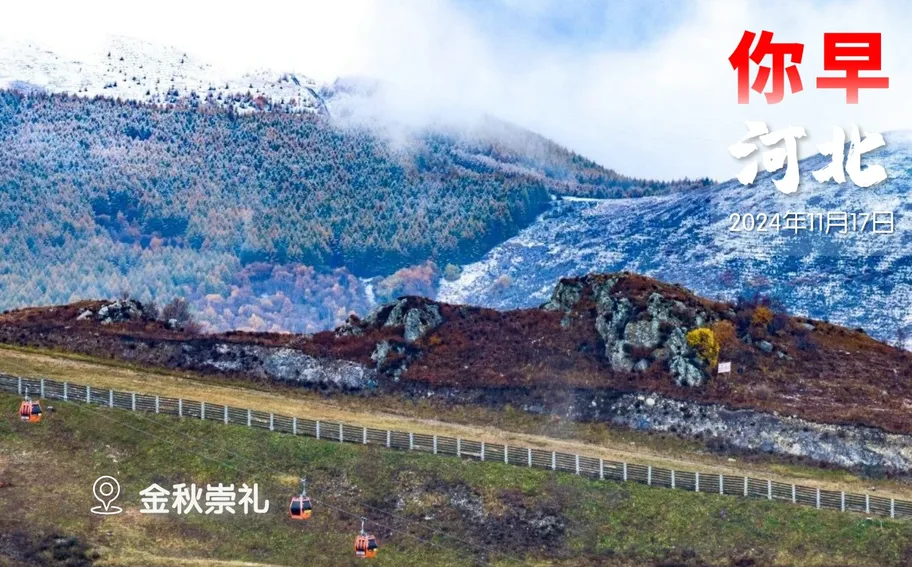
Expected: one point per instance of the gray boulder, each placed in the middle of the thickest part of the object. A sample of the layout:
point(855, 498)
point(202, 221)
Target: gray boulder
point(685, 372)
point(618, 358)
point(287, 365)
point(643, 333)
point(564, 297)
point(419, 321)
point(119, 311)
point(381, 351)
point(416, 318)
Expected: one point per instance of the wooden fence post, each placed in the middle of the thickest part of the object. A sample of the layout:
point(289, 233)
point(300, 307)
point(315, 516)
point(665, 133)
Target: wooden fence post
point(110, 398)
point(156, 404)
point(65, 391)
point(794, 498)
point(553, 461)
point(601, 469)
point(318, 430)
point(625, 472)
point(42, 387)
point(133, 401)
point(180, 407)
point(696, 482)
point(225, 416)
point(203, 410)
point(818, 498)
point(649, 475)
point(529, 455)
point(672, 478)
point(364, 437)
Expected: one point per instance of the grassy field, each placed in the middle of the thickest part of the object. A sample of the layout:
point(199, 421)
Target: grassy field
point(496, 514)
point(510, 426)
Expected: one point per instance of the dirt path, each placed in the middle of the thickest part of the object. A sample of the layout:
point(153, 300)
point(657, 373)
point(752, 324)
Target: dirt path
point(29, 364)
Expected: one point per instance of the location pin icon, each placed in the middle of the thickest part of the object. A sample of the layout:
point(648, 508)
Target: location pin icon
point(106, 490)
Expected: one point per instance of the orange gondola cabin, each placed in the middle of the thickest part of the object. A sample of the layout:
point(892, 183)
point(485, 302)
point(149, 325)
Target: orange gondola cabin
point(30, 411)
point(300, 507)
point(366, 544)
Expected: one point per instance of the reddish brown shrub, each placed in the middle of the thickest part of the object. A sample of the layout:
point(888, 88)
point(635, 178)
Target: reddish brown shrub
point(725, 334)
point(762, 316)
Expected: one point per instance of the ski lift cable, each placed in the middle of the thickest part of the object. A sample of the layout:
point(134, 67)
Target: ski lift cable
point(278, 485)
point(236, 455)
point(82, 407)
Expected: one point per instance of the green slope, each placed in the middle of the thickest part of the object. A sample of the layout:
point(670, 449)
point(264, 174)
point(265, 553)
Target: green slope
point(522, 517)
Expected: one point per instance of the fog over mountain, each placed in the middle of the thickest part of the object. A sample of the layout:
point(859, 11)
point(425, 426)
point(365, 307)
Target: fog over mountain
point(270, 201)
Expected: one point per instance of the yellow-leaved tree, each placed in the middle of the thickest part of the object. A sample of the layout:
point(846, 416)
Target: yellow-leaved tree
point(704, 342)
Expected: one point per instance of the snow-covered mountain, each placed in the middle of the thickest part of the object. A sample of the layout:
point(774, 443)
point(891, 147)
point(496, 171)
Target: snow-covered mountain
point(860, 279)
point(131, 69)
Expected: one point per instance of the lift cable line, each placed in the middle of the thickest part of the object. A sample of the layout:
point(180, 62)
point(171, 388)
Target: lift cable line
point(433, 531)
point(282, 487)
point(234, 454)
point(274, 471)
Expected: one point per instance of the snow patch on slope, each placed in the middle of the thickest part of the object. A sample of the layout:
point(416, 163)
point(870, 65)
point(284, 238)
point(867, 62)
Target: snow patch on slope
point(860, 279)
point(140, 71)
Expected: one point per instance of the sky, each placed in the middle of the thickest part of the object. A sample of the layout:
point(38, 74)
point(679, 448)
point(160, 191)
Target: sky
point(641, 86)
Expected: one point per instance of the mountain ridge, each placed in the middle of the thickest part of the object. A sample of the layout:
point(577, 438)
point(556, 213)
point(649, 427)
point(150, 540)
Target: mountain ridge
point(600, 333)
point(133, 70)
point(284, 212)
point(687, 239)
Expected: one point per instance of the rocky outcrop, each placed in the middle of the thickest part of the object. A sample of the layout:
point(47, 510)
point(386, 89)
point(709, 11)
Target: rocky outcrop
point(415, 315)
point(564, 298)
point(636, 335)
point(283, 365)
point(841, 445)
point(391, 358)
point(850, 446)
point(350, 328)
point(681, 360)
point(120, 311)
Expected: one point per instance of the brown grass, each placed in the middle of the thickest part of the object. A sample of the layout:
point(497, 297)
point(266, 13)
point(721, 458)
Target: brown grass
point(829, 374)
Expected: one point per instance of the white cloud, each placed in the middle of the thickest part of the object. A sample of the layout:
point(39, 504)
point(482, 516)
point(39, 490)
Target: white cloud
point(665, 109)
